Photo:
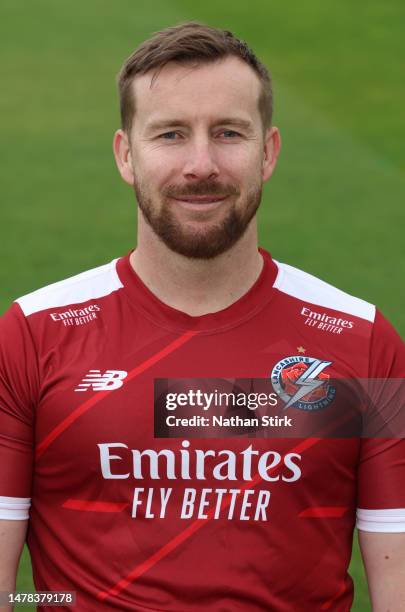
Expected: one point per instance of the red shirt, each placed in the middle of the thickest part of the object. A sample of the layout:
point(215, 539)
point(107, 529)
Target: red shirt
point(132, 521)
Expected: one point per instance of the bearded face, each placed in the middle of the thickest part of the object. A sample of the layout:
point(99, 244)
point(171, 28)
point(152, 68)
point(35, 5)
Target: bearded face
point(210, 232)
point(198, 154)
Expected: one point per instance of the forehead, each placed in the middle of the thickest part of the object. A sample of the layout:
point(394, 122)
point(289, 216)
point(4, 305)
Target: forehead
point(206, 90)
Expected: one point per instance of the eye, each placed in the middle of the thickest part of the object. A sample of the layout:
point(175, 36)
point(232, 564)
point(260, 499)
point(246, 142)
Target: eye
point(230, 134)
point(169, 136)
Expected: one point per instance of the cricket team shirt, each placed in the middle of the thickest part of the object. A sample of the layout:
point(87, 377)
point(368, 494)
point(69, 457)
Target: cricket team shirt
point(131, 505)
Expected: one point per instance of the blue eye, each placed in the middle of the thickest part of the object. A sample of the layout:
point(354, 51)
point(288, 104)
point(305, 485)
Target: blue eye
point(230, 133)
point(169, 135)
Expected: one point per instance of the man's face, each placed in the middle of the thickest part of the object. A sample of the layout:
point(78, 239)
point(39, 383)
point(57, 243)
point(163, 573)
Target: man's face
point(198, 152)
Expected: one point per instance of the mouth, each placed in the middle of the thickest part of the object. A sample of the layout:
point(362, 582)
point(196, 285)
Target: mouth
point(200, 202)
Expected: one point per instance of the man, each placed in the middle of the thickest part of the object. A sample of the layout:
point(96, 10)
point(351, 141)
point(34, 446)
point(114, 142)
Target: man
point(123, 509)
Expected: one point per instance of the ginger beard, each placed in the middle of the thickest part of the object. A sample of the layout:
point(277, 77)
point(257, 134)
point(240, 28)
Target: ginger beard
point(212, 239)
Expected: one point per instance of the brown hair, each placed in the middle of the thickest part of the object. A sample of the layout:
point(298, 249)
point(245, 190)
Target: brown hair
point(188, 42)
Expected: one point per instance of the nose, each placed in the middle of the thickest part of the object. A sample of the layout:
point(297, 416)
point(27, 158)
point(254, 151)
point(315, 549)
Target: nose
point(201, 162)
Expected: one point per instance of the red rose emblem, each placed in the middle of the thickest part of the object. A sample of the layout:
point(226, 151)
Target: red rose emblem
point(291, 374)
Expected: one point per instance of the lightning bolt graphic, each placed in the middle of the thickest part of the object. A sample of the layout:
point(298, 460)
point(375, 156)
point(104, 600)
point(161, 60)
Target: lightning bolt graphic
point(308, 381)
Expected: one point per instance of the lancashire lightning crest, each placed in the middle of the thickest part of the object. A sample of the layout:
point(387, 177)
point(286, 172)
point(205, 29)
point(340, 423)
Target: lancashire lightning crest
point(302, 383)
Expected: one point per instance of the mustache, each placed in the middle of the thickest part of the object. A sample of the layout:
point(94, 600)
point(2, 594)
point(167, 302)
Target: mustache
point(201, 188)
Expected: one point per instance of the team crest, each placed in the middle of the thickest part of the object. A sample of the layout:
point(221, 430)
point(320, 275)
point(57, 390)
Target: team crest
point(302, 383)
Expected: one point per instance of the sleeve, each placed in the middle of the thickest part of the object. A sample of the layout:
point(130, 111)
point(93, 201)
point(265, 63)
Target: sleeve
point(381, 473)
point(18, 392)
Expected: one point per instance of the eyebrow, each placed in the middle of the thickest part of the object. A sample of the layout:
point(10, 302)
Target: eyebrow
point(164, 123)
point(236, 121)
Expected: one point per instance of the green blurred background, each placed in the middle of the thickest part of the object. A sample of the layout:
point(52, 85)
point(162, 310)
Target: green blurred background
point(335, 206)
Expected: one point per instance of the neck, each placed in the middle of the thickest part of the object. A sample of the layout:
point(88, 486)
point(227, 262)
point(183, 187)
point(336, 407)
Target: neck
point(197, 286)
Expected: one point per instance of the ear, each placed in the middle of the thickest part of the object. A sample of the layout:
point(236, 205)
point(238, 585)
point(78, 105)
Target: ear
point(272, 145)
point(123, 156)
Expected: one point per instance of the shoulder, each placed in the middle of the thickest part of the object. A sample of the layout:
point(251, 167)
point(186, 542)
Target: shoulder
point(311, 290)
point(327, 307)
point(92, 284)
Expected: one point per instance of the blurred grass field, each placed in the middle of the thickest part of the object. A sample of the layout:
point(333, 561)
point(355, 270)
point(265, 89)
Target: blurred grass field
point(334, 206)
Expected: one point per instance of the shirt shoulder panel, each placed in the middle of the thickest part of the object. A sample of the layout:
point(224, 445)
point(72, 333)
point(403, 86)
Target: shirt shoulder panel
point(19, 391)
point(387, 350)
point(95, 283)
point(309, 288)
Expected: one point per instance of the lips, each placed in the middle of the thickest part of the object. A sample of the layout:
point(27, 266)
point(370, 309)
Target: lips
point(201, 199)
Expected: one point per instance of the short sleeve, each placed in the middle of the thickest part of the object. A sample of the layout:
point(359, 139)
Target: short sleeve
point(381, 474)
point(18, 393)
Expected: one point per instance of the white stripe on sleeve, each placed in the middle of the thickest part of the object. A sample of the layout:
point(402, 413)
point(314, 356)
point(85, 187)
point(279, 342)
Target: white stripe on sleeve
point(390, 520)
point(14, 508)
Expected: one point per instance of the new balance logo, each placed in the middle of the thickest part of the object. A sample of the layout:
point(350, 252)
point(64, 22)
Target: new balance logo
point(96, 381)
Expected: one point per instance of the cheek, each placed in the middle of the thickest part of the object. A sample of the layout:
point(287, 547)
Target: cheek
point(157, 168)
point(242, 168)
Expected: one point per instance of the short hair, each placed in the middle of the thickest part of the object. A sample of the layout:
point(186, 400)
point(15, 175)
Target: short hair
point(187, 43)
